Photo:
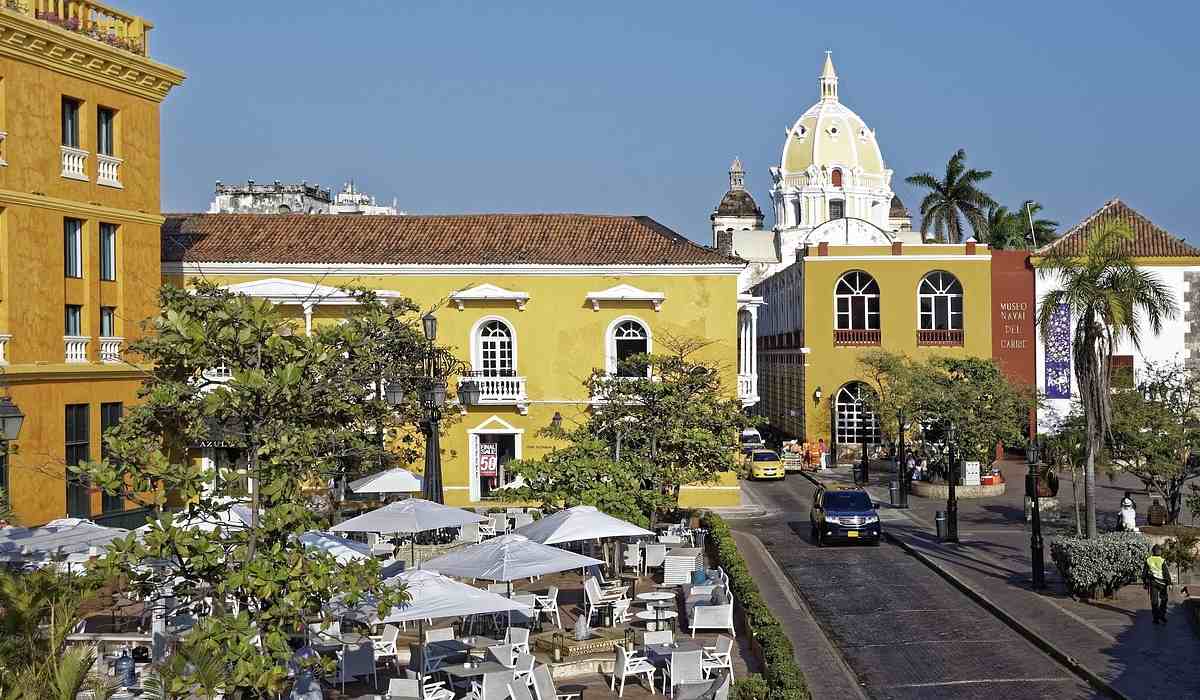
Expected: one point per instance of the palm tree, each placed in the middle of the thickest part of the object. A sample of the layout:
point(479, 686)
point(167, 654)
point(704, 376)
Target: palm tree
point(1010, 230)
point(1111, 299)
point(953, 199)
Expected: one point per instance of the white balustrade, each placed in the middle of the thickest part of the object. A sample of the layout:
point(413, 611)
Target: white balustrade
point(497, 390)
point(76, 347)
point(108, 170)
point(4, 338)
point(74, 163)
point(110, 349)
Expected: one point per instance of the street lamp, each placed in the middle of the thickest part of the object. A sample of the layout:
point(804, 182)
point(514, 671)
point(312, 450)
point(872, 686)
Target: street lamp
point(1036, 551)
point(429, 324)
point(952, 481)
point(433, 400)
point(11, 419)
point(902, 463)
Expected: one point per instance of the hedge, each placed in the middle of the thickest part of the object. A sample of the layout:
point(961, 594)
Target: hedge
point(781, 678)
point(1112, 560)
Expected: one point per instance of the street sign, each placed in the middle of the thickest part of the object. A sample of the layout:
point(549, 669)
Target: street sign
point(970, 473)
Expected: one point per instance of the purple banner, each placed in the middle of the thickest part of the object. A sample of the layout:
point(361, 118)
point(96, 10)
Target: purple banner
point(1058, 354)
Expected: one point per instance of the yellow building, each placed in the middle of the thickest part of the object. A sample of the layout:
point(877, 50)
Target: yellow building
point(79, 236)
point(838, 301)
point(533, 303)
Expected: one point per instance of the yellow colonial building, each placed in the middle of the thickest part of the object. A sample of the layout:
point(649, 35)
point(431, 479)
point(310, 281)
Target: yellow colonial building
point(79, 236)
point(533, 302)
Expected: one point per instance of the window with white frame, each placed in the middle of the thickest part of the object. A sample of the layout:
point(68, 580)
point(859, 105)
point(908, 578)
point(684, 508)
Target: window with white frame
point(108, 252)
point(857, 301)
point(495, 352)
point(940, 296)
point(855, 421)
point(629, 339)
point(72, 248)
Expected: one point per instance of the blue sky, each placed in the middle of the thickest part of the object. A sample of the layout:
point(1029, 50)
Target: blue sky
point(639, 107)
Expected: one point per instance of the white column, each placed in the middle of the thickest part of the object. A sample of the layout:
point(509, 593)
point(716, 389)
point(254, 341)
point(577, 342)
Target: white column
point(754, 340)
point(308, 310)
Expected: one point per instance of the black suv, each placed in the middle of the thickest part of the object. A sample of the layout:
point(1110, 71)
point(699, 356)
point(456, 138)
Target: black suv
point(844, 514)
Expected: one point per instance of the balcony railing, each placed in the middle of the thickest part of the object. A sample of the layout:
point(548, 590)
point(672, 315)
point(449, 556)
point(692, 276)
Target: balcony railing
point(4, 338)
point(108, 170)
point(91, 19)
point(110, 349)
point(496, 390)
point(74, 163)
point(76, 347)
point(856, 336)
point(941, 337)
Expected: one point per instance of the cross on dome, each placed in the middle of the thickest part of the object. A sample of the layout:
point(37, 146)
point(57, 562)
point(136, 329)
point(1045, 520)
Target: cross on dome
point(829, 79)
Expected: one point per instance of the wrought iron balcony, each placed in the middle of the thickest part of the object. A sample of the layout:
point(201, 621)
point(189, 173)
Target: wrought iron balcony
point(940, 337)
point(496, 390)
point(856, 336)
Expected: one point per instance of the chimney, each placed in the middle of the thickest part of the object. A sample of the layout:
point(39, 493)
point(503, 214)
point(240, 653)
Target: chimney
point(724, 240)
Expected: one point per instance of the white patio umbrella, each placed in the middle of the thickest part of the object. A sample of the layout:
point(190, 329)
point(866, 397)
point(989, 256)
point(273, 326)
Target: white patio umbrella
point(579, 523)
point(508, 558)
point(388, 481)
point(342, 549)
point(410, 516)
point(73, 539)
point(237, 515)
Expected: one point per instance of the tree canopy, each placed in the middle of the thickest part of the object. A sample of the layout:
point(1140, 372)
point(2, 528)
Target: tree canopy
point(303, 409)
point(1011, 229)
point(954, 199)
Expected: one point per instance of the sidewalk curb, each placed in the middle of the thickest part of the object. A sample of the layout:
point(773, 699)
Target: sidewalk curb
point(1019, 627)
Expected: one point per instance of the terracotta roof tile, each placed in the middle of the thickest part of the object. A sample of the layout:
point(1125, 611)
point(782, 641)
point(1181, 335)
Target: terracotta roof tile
point(548, 239)
point(1149, 241)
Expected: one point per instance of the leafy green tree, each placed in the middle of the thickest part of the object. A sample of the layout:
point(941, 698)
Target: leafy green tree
point(301, 407)
point(1066, 450)
point(7, 517)
point(973, 393)
point(953, 199)
point(1156, 433)
point(1011, 229)
point(1109, 298)
point(1044, 230)
point(669, 422)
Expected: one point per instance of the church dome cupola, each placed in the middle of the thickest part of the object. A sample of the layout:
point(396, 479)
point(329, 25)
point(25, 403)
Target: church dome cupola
point(829, 79)
point(737, 202)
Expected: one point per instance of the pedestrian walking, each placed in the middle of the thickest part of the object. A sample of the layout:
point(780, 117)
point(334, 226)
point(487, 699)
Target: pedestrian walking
point(1157, 578)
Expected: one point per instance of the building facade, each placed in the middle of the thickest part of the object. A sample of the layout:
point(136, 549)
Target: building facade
point(79, 238)
point(302, 198)
point(1166, 256)
point(533, 302)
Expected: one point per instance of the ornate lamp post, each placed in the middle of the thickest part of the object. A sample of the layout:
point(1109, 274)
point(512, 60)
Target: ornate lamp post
point(1036, 552)
point(952, 481)
point(11, 419)
point(433, 400)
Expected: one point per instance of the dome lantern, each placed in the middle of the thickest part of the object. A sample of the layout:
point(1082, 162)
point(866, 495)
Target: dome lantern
point(829, 79)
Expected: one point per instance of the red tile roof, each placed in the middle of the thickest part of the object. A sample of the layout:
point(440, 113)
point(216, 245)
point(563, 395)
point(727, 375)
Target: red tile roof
point(493, 239)
point(1149, 241)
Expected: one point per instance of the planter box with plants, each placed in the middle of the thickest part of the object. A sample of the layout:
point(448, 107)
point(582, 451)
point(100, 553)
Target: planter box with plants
point(781, 678)
point(1102, 565)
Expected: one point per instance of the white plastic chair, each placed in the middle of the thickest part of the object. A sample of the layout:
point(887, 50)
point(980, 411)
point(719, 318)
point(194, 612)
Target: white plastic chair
point(656, 554)
point(658, 637)
point(627, 666)
point(548, 605)
point(518, 637)
point(431, 689)
point(491, 686)
point(470, 533)
point(357, 660)
point(719, 656)
point(543, 685)
point(441, 634)
point(403, 689)
point(500, 523)
point(523, 668)
point(595, 599)
point(519, 690)
point(487, 528)
point(385, 644)
point(685, 667)
point(621, 611)
point(632, 558)
point(502, 654)
point(522, 520)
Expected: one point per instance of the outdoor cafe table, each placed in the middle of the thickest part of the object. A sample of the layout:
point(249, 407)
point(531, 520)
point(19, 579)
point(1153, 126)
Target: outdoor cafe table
point(664, 651)
point(473, 669)
point(656, 616)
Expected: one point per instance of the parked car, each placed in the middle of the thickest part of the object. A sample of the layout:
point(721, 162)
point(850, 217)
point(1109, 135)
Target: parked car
point(765, 464)
point(752, 440)
point(844, 514)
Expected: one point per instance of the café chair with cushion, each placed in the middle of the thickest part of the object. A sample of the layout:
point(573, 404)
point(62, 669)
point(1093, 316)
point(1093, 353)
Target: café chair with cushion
point(719, 656)
point(502, 654)
point(518, 637)
point(357, 660)
point(685, 667)
point(543, 685)
point(523, 669)
point(715, 689)
point(385, 644)
point(630, 665)
point(431, 689)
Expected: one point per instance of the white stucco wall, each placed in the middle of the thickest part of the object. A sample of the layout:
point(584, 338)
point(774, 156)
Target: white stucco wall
point(1168, 346)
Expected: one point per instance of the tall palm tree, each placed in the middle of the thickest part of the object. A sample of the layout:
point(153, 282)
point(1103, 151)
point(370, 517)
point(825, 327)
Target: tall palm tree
point(1011, 230)
point(953, 199)
point(1110, 298)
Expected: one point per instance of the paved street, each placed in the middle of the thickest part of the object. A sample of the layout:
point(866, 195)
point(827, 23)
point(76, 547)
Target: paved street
point(903, 630)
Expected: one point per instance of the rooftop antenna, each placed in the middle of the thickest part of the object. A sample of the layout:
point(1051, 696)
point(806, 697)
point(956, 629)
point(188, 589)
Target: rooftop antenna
point(1032, 233)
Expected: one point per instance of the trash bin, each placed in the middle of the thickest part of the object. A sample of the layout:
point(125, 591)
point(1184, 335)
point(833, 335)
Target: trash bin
point(940, 520)
point(894, 492)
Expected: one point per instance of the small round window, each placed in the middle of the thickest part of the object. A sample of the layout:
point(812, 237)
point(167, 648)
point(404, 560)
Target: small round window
point(801, 132)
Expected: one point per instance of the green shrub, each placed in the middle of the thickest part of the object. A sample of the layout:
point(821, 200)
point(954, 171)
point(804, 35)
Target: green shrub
point(1112, 560)
point(782, 679)
point(752, 687)
point(1180, 551)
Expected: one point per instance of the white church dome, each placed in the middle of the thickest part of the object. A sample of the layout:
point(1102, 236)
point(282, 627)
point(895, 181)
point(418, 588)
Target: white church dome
point(831, 136)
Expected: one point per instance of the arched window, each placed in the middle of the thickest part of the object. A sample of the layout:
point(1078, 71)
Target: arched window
point(495, 353)
point(857, 301)
point(627, 338)
point(940, 296)
point(836, 177)
point(854, 420)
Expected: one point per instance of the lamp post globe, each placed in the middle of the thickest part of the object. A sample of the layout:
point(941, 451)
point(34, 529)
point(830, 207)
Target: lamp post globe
point(11, 419)
point(429, 324)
